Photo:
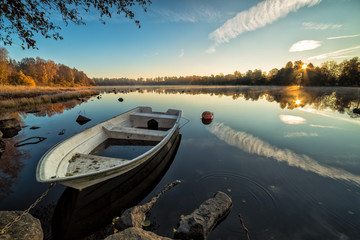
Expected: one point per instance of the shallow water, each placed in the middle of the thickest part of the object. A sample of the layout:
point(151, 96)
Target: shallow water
point(291, 169)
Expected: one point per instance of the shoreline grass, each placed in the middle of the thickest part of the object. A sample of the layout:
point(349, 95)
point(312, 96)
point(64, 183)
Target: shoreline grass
point(19, 97)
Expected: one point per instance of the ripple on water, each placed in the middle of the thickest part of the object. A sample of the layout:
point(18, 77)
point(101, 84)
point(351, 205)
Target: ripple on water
point(248, 196)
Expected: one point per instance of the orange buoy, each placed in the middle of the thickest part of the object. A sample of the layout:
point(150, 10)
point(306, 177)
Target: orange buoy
point(207, 115)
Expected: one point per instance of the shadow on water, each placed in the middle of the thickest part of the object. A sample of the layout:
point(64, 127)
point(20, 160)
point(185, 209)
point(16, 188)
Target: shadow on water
point(82, 213)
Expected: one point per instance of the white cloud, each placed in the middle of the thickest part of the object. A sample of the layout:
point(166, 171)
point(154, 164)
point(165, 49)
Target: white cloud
point(335, 54)
point(259, 16)
point(300, 134)
point(200, 14)
point(289, 119)
point(304, 45)
point(255, 145)
point(341, 37)
point(181, 53)
point(320, 26)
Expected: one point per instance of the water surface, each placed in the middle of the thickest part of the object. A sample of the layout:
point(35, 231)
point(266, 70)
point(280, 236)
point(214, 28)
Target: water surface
point(289, 158)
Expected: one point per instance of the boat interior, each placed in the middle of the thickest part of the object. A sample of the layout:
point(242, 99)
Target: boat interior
point(135, 132)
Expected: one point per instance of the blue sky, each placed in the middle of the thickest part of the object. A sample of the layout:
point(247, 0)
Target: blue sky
point(204, 37)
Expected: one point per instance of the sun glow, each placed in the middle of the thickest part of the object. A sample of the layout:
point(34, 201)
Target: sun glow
point(304, 66)
point(298, 102)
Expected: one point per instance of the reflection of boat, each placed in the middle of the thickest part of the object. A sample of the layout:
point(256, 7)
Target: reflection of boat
point(81, 213)
point(74, 163)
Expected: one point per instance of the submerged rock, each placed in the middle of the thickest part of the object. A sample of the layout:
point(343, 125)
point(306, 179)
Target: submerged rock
point(27, 227)
point(200, 222)
point(136, 234)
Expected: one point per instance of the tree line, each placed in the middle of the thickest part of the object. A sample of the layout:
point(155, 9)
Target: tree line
point(39, 72)
point(330, 73)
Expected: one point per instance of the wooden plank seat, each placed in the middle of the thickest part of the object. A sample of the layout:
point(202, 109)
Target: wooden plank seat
point(87, 163)
point(154, 115)
point(135, 133)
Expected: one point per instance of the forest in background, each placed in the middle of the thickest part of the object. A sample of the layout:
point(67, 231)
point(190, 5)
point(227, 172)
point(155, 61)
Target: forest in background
point(330, 73)
point(39, 72)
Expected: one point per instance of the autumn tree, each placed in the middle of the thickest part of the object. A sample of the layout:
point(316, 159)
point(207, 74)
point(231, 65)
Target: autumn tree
point(25, 18)
point(3, 65)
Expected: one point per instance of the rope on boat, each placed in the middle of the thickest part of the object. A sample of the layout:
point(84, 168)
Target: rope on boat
point(20, 143)
point(7, 226)
point(245, 229)
point(184, 123)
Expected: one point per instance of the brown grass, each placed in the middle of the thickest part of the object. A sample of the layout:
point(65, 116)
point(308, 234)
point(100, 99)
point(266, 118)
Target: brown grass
point(22, 96)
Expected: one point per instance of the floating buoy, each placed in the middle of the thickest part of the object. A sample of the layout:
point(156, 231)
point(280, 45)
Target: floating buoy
point(120, 99)
point(207, 115)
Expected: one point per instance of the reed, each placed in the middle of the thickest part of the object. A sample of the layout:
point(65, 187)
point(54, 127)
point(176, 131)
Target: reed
point(21, 96)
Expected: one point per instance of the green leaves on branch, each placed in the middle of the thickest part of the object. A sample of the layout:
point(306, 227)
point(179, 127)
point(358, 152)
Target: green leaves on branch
point(26, 17)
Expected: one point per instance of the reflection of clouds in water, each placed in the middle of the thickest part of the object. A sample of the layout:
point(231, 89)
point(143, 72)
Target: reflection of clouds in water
point(289, 119)
point(330, 115)
point(254, 145)
point(300, 134)
point(322, 126)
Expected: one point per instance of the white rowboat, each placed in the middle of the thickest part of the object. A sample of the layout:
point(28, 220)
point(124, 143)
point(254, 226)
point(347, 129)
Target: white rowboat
point(73, 163)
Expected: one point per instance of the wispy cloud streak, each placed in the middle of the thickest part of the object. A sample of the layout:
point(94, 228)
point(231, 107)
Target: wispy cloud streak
point(201, 14)
point(254, 145)
point(259, 16)
point(304, 45)
point(341, 37)
point(335, 54)
point(320, 26)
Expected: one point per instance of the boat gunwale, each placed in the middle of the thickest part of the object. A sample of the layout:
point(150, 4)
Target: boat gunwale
point(135, 161)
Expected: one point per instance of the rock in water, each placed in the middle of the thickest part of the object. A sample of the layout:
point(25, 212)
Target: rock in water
point(82, 120)
point(27, 227)
point(136, 234)
point(199, 223)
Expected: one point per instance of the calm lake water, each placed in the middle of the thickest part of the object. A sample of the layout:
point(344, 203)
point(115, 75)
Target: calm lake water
point(289, 158)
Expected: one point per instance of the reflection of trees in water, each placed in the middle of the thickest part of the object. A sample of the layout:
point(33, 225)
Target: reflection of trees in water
point(342, 100)
point(12, 160)
point(11, 164)
point(42, 110)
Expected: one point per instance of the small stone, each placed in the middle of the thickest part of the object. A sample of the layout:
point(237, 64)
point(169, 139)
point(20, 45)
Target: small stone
point(135, 233)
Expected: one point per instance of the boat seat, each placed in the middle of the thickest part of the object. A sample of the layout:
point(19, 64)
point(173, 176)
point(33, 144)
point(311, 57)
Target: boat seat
point(153, 115)
point(87, 163)
point(135, 133)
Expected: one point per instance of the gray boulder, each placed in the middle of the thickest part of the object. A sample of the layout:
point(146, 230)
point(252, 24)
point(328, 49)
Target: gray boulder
point(135, 233)
point(200, 222)
point(27, 227)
